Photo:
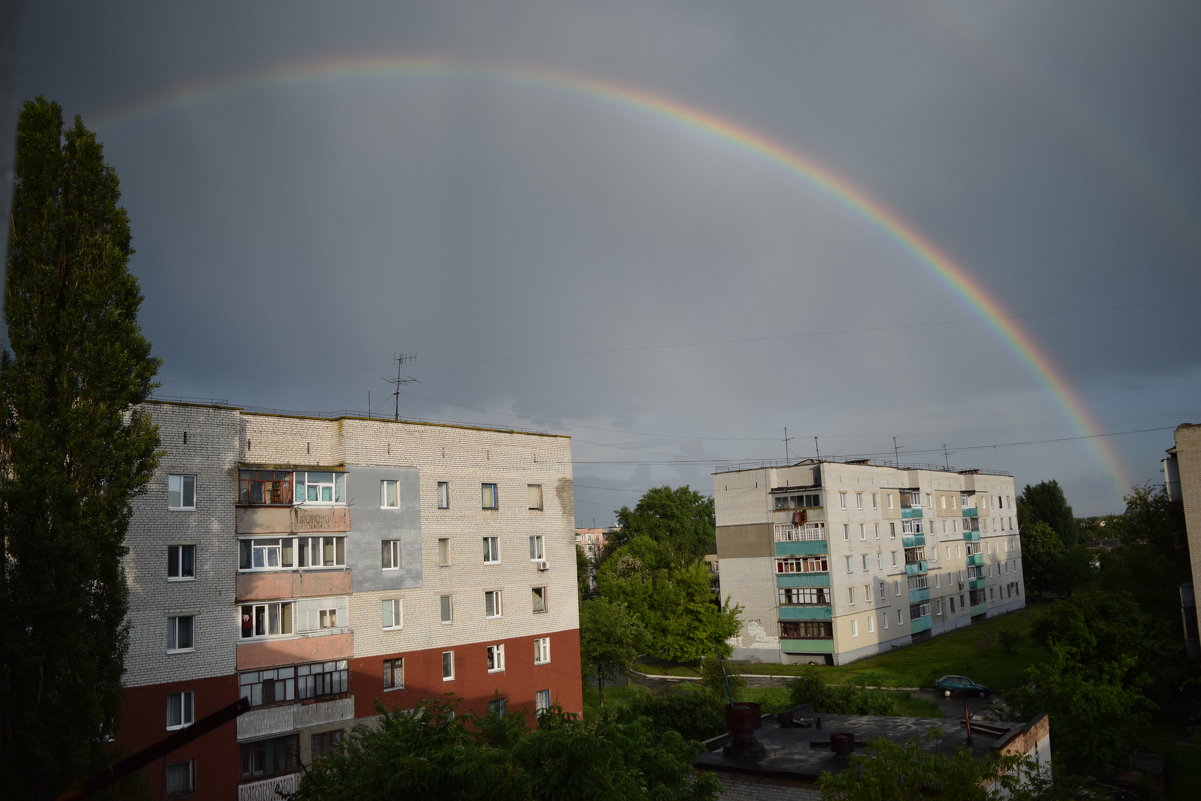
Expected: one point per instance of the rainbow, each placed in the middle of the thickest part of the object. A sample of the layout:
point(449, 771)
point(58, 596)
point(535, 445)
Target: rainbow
point(695, 120)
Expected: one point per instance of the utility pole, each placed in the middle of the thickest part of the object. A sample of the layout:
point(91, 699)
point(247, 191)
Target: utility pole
point(398, 382)
point(786, 438)
point(896, 454)
point(817, 449)
point(946, 459)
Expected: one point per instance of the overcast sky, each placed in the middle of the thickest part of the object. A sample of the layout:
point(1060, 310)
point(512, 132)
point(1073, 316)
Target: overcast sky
point(524, 195)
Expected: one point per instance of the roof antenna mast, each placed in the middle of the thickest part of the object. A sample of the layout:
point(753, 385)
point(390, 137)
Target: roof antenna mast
point(398, 382)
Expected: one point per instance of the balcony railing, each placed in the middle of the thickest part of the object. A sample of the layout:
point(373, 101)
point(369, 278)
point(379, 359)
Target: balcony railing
point(913, 540)
point(971, 536)
point(269, 789)
point(917, 567)
point(975, 559)
point(909, 514)
point(920, 624)
point(970, 511)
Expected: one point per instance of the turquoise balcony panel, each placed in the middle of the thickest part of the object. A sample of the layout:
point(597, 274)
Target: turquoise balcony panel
point(805, 613)
point(971, 536)
point(909, 514)
point(807, 646)
point(970, 511)
point(921, 624)
point(913, 540)
point(975, 559)
point(917, 568)
point(976, 584)
point(802, 579)
point(802, 548)
point(919, 596)
point(979, 609)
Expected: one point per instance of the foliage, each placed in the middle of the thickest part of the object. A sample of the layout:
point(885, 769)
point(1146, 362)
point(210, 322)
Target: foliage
point(692, 711)
point(611, 637)
point(1153, 519)
point(1043, 554)
point(75, 452)
point(1045, 501)
point(583, 574)
point(843, 699)
point(676, 605)
point(438, 754)
point(720, 679)
point(679, 519)
point(888, 771)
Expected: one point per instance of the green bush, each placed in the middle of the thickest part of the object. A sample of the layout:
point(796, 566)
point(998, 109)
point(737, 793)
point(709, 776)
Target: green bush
point(694, 712)
point(843, 699)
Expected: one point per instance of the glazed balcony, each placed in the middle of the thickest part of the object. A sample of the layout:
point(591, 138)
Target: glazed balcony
point(972, 536)
point(269, 789)
point(976, 584)
point(913, 540)
point(802, 579)
point(917, 568)
point(975, 559)
point(970, 511)
point(805, 613)
point(919, 596)
point(911, 513)
point(802, 548)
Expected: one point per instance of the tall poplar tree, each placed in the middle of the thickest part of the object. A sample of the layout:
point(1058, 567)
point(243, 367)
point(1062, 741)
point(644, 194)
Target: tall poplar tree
point(74, 451)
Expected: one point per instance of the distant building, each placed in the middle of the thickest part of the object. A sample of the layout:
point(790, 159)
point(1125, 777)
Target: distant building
point(320, 566)
point(785, 762)
point(1182, 482)
point(592, 540)
point(835, 561)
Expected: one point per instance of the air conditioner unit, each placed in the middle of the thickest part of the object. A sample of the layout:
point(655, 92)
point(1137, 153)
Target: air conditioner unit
point(542, 565)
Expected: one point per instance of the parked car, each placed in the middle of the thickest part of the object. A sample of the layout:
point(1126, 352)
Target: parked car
point(961, 685)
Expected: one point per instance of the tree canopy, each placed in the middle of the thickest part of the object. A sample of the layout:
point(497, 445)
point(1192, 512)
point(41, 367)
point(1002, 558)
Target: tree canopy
point(75, 452)
point(679, 519)
point(432, 752)
point(1045, 501)
point(611, 637)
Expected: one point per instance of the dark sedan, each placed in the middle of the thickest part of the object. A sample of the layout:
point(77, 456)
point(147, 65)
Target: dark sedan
point(961, 685)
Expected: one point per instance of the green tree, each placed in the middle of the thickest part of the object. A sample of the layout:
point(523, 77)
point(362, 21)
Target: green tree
point(679, 519)
point(611, 637)
point(1153, 519)
point(1045, 501)
point(1042, 558)
point(74, 451)
point(437, 754)
point(583, 574)
point(888, 771)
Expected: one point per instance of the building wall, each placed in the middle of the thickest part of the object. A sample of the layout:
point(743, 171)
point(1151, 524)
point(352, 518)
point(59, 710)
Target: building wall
point(212, 443)
point(1188, 468)
point(866, 524)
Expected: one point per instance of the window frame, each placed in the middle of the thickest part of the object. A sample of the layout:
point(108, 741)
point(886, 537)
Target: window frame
point(446, 609)
point(493, 600)
point(442, 496)
point(496, 658)
point(173, 630)
point(444, 552)
point(534, 499)
point(448, 666)
point(491, 546)
point(391, 666)
point(541, 650)
point(285, 616)
point(390, 555)
point(537, 548)
point(176, 562)
point(389, 493)
point(542, 701)
point(391, 609)
point(301, 485)
point(186, 482)
point(489, 496)
point(183, 704)
point(287, 745)
point(190, 779)
point(538, 599)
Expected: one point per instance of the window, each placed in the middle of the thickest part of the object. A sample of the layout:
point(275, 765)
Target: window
point(180, 633)
point(265, 487)
point(879, 560)
point(323, 551)
point(496, 658)
point(850, 564)
point(846, 531)
point(537, 552)
point(445, 610)
point(803, 564)
point(534, 494)
point(538, 597)
point(181, 778)
point(803, 596)
point(496, 708)
point(181, 492)
point(394, 673)
point(867, 593)
point(866, 564)
point(892, 531)
point(806, 630)
point(266, 620)
point(491, 550)
point(319, 487)
point(274, 757)
point(492, 603)
point(266, 553)
point(390, 554)
point(897, 587)
point(315, 614)
point(871, 623)
point(181, 562)
point(443, 551)
point(541, 650)
point(325, 742)
point(391, 613)
point(443, 494)
point(389, 494)
point(883, 591)
point(488, 497)
point(851, 596)
point(448, 665)
point(875, 500)
point(900, 616)
point(888, 498)
point(884, 619)
point(541, 701)
point(894, 558)
point(854, 628)
point(842, 500)
point(180, 709)
point(938, 606)
point(858, 500)
point(952, 600)
point(266, 687)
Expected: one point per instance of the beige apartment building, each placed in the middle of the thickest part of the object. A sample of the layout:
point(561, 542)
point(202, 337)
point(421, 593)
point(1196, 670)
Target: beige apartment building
point(833, 561)
point(1182, 480)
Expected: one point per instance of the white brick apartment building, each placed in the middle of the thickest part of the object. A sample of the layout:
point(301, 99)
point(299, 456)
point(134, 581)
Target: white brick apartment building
point(835, 561)
point(319, 566)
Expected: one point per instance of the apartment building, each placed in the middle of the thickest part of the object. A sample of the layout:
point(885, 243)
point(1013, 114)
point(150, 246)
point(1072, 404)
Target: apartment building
point(835, 561)
point(1182, 482)
point(320, 566)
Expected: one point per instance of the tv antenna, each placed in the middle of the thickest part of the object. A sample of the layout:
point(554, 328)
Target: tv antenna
point(398, 382)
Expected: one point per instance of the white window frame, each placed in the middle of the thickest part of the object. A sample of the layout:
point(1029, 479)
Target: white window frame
point(391, 614)
point(448, 666)
point(491, 550)
point(496, 658)
point(390, 555)
point(181, 705)
point(538, 597)
point(389, 493)
point(181, 487)
point(842, 500)
point(173, 634)
point(446, 609)
point(854, 628)
point(858, 500)
point(176, 563)
point(850, 564)
point(443, 496)
point(850, 596)
point(489, 495)
point(278, 617)
point(541, 701)
point(541, 650)
point(305, 480)
point(394, 674)
point(493, 604)
point(871, 624)
point(537, 548)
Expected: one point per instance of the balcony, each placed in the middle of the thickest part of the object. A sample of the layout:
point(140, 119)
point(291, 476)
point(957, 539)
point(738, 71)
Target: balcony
point(916, 568)
point(920, 624)
point(805, 613)
point(806, 548)
point(976, 584)
point(970, 511)
point(802, 579)
point(269, 789)
point(807, 646)
point(911, 513)
point(265, 721)
point(919, 596)
point(294, 650)
point(975, 559)
point(913, 540)
point(979, 609)
point(293, 584)
point(972, 536)
point(291, 519)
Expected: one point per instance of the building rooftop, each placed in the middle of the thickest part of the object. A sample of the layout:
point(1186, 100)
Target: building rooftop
point(736, 467)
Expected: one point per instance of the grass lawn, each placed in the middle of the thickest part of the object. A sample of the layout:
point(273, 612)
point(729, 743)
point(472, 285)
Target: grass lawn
point(614, 697)
point(995, 652)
